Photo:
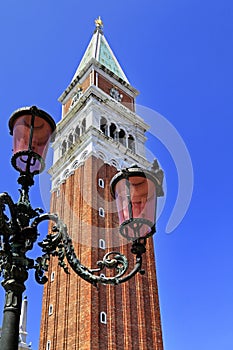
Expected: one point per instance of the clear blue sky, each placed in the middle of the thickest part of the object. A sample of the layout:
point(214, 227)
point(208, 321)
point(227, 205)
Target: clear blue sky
point(179, 55)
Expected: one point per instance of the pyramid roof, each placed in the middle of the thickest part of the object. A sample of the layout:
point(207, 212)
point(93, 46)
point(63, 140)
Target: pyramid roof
point(100, 50)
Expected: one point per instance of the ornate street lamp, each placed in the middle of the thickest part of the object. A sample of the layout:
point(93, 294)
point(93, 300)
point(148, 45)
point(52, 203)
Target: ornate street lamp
point(134, 189)
point(31, 129)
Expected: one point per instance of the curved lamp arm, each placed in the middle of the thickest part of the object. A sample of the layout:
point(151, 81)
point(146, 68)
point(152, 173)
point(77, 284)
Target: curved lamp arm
point(5, 225)
point(60, 244)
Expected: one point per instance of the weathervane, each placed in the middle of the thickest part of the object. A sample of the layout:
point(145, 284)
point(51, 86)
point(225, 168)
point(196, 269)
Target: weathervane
point(99, 23)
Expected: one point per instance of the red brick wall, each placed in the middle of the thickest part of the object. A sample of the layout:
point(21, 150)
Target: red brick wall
point(84, 86)
point(106, 86)
point(133, 316)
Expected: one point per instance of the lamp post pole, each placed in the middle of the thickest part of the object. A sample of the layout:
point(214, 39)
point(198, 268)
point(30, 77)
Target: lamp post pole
point(14, 288)
point(134, 189)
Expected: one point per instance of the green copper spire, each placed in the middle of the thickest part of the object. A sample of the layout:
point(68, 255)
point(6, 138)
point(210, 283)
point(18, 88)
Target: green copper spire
point(100, 50)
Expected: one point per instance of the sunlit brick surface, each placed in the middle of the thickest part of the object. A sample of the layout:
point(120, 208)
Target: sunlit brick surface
point(133, 316)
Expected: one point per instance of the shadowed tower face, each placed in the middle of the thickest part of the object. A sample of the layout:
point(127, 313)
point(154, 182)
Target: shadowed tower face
point(98, 134)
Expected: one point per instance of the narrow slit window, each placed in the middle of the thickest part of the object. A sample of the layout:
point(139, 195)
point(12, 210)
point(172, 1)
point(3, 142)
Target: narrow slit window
point(101, 212)
point(48, 345)
point(102, 243)
point(50, 310)
point(52, 277)
point(101, 183)
point(103, 317)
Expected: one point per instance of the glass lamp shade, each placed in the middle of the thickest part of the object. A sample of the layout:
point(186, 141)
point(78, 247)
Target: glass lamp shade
point(31, 129)
point(135, 192)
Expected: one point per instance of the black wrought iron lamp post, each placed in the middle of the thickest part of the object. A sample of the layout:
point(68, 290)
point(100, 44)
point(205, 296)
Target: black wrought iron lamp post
point(134, 189)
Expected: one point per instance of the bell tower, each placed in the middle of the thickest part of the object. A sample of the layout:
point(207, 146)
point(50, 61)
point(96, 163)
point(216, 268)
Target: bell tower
point(98, 134)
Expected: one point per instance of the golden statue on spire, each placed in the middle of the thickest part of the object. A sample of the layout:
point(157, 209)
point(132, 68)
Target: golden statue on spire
point(99, 23)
